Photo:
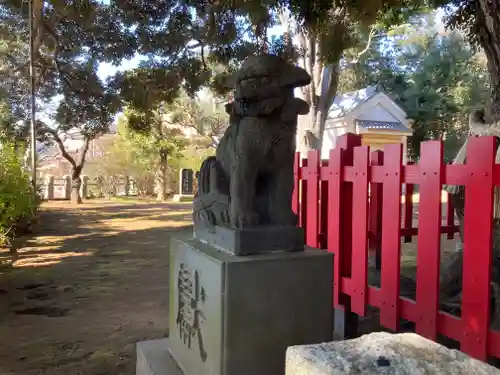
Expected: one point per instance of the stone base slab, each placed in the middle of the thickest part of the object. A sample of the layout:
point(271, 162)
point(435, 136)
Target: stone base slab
point(183, 198)
point(383, 353)
point(252, 240)
point(154, 358)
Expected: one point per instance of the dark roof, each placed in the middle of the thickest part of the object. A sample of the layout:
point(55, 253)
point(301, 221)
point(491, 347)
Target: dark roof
point(382, 125)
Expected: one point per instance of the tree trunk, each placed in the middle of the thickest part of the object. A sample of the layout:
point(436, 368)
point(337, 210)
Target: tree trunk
point(76, 180)
point(488, 32)
point(161, 177)
point(320, 98)
point(310, 130)
point(76, 184)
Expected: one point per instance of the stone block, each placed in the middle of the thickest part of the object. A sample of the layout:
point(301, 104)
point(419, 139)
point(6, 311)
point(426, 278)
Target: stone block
point(183, 198)
point(153, 358)
point(248, 241)
point(383, 353)
point(233, 315)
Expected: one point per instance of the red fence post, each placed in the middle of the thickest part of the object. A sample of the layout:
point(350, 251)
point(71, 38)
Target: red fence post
point(346, 322)
point(303, 196)
point(375, 240)
point(311, 174)
point(477, 256)
point(429, 238)
point(335, 171)
point(323, 215)
point(296, 179)
point(391, 236)
point(359, 231)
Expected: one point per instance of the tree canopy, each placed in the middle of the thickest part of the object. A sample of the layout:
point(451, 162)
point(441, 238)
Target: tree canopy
point(437, 77)
point(189, 45)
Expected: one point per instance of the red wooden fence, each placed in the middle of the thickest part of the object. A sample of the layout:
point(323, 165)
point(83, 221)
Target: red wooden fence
point(351, 205)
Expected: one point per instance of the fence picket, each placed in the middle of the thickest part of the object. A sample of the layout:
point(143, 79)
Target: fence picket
point(477, 256)
point(296, 180)
point(359, 290)
point(323, 214)
point(311, 174)
point(429, 239)
point(303, 198)
point(334, 209)
point(391, 236)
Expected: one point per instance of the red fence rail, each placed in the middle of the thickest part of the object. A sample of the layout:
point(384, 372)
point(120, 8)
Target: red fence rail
point(352, 205)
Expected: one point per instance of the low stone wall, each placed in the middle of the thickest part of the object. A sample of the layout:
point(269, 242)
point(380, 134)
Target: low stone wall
point(382, 353)
point(59, 188)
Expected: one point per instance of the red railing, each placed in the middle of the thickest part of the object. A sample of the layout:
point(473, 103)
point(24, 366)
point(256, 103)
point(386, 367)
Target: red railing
point(352, 206)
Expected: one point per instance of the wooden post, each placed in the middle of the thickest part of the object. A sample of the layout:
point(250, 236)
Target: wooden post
point(345, 321)
point(429, 238)
point(477, 257)
point(391, 237)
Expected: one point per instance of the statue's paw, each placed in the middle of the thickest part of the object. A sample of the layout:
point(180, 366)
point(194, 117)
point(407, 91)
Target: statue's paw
point(244, 220)
point(223, 217)
point(206, 217)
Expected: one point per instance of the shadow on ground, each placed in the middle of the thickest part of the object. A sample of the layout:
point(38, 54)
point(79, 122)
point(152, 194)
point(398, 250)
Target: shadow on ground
point(88, 284)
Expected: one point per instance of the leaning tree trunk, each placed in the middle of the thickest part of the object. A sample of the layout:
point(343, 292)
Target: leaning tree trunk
point(309, 132)
point(161, 177)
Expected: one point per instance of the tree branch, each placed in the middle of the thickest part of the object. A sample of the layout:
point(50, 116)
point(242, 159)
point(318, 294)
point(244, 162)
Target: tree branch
point(60, 143)
point(332, 86)
point(368, 45)
point(83, 154)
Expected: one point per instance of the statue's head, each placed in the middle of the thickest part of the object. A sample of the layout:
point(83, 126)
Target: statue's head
point(265, 85)
point(269, 71)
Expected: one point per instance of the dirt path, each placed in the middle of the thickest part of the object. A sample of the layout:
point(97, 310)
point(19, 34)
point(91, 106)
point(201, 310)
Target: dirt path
point(90, 283)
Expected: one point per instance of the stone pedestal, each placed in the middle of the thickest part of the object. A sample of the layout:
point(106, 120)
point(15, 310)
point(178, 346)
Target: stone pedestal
point(232, 315)
point(383, 354)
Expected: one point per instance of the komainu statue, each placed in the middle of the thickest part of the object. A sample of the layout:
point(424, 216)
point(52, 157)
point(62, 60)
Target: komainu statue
point(249, 183)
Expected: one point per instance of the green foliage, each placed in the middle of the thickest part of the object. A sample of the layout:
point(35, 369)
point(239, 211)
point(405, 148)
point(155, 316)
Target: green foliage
point(150, 133)
point(205, 117)
point(436, 78)
point(137, 153)
point(17, 201)
point(72, 38)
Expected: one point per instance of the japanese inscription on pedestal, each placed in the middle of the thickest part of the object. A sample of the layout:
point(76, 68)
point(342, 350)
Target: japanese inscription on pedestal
point(190, 316)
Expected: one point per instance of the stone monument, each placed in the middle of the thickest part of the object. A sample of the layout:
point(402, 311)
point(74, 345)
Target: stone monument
point(245, 288)
point(186, 186)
